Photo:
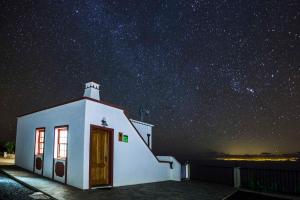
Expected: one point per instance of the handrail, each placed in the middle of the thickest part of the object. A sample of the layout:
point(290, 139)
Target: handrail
point(161, 161)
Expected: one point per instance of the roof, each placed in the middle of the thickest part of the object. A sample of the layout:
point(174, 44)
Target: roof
point(74, 100)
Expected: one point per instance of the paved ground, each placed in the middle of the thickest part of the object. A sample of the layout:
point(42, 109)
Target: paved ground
point(6, 161)
point(12, 190)
point(162, 191)
point(152, 191)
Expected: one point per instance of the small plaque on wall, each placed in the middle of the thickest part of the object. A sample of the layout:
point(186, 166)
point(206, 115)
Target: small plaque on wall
point(120, 136)
point(125, 138)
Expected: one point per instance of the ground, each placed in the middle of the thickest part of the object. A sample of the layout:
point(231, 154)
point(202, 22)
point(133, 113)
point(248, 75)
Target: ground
point(12, 190)
point(6, 161)
point(242, 195)
point(151, 191)
point(163, 190)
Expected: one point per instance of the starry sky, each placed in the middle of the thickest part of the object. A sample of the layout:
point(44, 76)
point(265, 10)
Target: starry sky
point(215, 75)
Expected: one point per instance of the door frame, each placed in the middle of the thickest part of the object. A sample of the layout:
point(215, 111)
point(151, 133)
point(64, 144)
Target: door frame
point(39, 128)
point(111, 153)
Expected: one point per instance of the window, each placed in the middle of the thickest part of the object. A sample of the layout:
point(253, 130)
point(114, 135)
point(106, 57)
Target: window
point(61, 142)
point(39, 141)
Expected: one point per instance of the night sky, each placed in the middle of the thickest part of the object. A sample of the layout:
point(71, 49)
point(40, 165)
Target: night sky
point(215, 75)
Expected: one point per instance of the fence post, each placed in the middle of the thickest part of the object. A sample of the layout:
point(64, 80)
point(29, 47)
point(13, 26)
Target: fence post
point(188, 171)
point(185, 171)
point(237, 177)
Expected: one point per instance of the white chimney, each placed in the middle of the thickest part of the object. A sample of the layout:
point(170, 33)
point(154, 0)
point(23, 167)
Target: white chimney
point(92, 90)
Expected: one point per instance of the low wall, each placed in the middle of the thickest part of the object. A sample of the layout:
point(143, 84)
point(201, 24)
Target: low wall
point(176, 167)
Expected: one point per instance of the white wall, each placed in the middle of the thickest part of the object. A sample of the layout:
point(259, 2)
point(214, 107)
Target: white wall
point(134, 163)
point(71, 114)
point(176, 172)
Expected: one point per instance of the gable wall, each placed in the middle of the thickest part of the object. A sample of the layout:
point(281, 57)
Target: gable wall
point(71, 114)
point(134, 163)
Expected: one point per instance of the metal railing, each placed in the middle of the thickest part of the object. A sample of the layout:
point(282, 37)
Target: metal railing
point(258, 179)
point(271, 180)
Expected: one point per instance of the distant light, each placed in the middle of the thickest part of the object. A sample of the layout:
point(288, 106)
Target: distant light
point(260, 159)
point(251, 90)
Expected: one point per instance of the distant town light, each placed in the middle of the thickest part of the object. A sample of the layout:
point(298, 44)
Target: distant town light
point(260, 159)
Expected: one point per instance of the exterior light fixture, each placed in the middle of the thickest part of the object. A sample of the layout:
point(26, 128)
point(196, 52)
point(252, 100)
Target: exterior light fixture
point(103, 121)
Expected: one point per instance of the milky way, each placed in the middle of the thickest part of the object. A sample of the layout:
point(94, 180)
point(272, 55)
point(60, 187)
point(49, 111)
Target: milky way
point(215, 75)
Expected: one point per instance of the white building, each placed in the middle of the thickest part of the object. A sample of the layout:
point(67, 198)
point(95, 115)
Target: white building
point(87, 143)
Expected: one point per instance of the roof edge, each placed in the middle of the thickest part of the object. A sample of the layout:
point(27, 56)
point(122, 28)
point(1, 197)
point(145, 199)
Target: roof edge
point(140, 122)
point(71, 101)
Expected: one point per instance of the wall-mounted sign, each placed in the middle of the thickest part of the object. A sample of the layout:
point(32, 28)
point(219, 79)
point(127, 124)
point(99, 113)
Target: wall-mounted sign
point(125, 138)
point(122, 137)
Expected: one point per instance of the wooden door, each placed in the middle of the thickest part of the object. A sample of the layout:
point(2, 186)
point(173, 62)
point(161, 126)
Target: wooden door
point(100, 160)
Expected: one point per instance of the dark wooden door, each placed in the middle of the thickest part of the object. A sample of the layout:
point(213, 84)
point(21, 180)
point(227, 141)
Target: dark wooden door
point(100, 160)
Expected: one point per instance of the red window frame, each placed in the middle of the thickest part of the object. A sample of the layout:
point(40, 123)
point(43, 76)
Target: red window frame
point(40, 141)
point(59, 143)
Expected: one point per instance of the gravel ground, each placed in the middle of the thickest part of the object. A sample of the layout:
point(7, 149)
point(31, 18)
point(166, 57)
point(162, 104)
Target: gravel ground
point(12, 190)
